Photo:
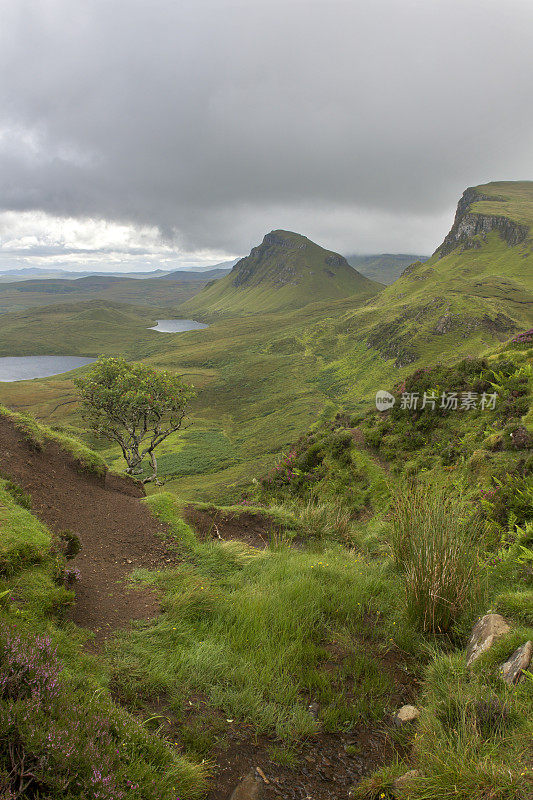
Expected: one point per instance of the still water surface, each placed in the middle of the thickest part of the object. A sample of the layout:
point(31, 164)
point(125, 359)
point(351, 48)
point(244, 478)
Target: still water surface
point(177, 325)
point(23, 368)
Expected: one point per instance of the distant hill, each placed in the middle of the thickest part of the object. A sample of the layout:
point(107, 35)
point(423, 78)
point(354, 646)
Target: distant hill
point(201, 275)
point(287, 270)
point(475, 290)
point(214, 271)
point(163, 291)
point(384, 267)
point(41, 273)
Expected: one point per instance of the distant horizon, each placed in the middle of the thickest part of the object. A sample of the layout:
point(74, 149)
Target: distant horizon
point(185, 268)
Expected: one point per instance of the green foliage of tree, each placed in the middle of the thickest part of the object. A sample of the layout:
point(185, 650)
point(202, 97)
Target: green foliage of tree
point(135, 406)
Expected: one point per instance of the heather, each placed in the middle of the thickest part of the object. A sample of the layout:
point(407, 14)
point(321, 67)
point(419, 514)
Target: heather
point(61, 735)
point(57, 740)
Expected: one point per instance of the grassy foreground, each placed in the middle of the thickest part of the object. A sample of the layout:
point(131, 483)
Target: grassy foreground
point(324, 618)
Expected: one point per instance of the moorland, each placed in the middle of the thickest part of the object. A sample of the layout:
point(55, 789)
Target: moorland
point(306, 565)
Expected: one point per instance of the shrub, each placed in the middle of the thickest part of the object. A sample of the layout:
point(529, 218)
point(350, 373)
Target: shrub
point(57, 742)
point(434, 543)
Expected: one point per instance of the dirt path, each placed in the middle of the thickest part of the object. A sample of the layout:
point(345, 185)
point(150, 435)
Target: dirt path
point(117, 532)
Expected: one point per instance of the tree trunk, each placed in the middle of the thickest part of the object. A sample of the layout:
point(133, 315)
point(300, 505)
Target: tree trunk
point(134, 461)
point(153, 462)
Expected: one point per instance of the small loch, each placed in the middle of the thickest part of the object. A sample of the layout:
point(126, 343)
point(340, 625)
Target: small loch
point(24, 368)
point(177, 325)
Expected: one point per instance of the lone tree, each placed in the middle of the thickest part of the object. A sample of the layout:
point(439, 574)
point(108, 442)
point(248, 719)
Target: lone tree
point(134, 405)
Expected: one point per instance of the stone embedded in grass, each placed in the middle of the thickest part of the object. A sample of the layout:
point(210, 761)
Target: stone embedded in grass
point(403, 785)
point(484, 633)
point(249, 788)
point(406, 714)
point(513, 669)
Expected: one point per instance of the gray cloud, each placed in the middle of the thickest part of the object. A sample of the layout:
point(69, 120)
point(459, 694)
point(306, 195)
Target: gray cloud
point(358, 123)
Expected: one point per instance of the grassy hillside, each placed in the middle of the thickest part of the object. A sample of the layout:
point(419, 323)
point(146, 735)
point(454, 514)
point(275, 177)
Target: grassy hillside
point(89, 328)
point(385, 267)
point(350, 480)
point(162, 291)
point(263, 379)
point(285, 271)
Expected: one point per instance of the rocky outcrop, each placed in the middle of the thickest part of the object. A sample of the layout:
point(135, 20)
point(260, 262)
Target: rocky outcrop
point(485, 632)
point(468, 225)
point(499, 326)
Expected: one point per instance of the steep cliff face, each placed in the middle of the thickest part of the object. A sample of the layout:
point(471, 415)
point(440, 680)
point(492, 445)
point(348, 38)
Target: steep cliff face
point(468, 225)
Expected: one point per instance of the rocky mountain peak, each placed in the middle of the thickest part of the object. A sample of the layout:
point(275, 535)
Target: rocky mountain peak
point(469, 227)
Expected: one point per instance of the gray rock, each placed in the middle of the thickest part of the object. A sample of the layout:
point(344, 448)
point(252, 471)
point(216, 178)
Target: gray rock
point(513, 669)
point(484, 633)
point(406, 714)
point(249, 788)
point(404, 783)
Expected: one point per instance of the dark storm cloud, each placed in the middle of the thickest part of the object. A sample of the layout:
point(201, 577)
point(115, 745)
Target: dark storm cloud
point(359, 122)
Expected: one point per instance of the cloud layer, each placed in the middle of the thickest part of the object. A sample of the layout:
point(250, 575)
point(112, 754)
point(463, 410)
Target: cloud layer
point(213, 121)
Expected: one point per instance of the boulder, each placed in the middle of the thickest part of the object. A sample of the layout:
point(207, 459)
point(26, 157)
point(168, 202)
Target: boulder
point(402, 785)
point(405, 715)
point(484, 633)
point(513, 669)
point(249, 788)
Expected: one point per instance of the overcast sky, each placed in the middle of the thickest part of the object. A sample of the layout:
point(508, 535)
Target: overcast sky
point(144, 133)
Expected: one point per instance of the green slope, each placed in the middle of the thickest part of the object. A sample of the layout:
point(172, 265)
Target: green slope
point(82, 329)
point(166, 291)
point(263, 379)
point(476, 289)
point(285, 271)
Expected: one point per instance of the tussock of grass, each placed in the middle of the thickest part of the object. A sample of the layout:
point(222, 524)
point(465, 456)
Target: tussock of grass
point(475, 735)
point(325, 522)
point(435, 542)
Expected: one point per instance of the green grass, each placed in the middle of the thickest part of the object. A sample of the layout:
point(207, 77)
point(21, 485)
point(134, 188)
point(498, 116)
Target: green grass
point(435, 542)
point(25, 541)
point(250, 630)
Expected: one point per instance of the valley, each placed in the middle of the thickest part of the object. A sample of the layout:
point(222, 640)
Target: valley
point(305, 565)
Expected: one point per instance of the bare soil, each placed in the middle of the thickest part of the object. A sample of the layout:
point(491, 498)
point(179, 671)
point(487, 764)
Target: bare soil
point(253, 529)
point(117, 532)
